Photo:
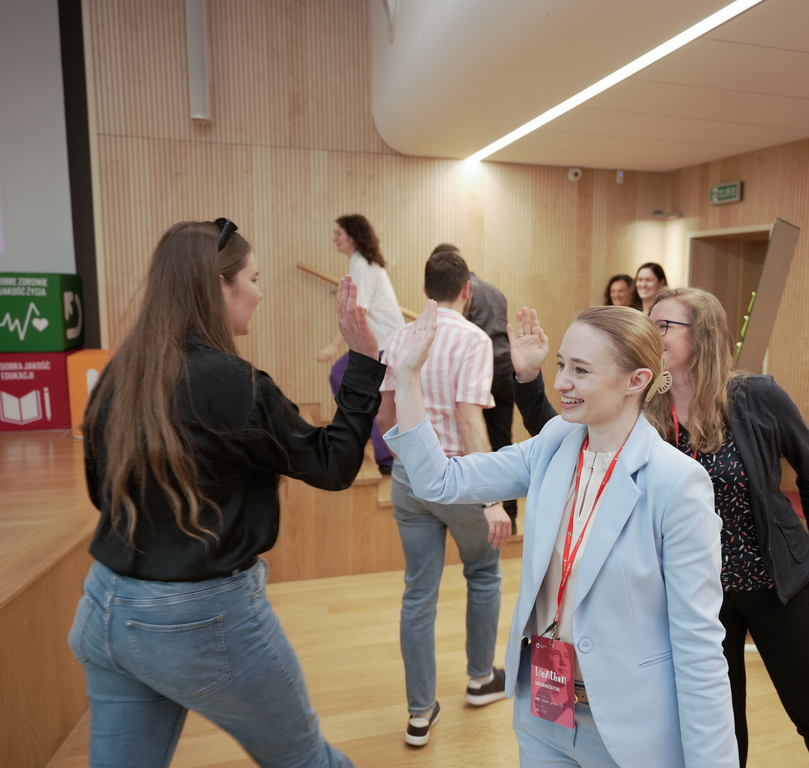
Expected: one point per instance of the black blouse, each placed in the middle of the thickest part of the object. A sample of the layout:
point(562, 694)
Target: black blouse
point(244, 434)
point(743, 569)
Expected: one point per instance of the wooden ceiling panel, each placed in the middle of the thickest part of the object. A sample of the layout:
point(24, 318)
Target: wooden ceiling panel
point(742, 87)
point(735, 67)
point(703, 102)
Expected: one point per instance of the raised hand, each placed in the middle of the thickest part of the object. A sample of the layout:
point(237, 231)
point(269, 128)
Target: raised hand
point(413, 353)
point(529, 345)
point(407, 371)
point(352, 321)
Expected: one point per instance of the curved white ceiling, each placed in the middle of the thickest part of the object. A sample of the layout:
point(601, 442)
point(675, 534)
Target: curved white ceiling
point(458, 75)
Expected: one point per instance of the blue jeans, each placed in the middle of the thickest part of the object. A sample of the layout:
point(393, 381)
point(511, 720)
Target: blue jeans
point(153, 650)
point(423, 527)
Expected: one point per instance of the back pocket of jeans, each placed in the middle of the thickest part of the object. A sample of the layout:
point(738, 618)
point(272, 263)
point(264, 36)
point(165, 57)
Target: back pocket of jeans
point(181, 659)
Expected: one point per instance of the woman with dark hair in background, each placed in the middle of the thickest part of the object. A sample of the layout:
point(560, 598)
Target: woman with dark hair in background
point(355, 237)
point(185, 445)
point(739, 427)
point(618, 292)
point(649, 279)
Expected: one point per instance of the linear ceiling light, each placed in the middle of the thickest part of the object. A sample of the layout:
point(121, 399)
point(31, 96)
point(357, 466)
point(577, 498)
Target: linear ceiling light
point(704, 26)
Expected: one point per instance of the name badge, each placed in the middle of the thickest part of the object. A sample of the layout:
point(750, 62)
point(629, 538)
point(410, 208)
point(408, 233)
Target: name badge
point(552, 684)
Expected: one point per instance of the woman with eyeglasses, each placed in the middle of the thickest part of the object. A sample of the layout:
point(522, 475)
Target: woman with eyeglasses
point(620, 567)
point(739, 427)
point(185, 446)
point(355, 238)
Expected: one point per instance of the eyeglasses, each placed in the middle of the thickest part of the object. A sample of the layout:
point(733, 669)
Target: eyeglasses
point(663, 325)
point(228, 227)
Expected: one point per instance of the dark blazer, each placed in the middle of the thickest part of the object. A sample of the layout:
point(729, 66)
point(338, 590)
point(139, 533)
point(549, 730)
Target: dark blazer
point(533, 404)
point(767, 425)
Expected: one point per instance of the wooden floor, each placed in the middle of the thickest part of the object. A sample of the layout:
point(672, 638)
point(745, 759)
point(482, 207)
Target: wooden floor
point(355, 676)
point(353, 664)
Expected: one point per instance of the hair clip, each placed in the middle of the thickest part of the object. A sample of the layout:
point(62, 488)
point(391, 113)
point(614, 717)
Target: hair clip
point(661, 385)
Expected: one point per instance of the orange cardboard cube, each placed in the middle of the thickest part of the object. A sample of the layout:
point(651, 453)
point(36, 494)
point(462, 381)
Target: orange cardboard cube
point(83, 369)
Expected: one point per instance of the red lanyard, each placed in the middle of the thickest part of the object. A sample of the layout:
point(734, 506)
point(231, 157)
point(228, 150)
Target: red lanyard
point(677, 433)
point(568, 557)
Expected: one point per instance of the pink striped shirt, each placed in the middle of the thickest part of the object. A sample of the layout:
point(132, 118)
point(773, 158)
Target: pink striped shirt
point(458, 370)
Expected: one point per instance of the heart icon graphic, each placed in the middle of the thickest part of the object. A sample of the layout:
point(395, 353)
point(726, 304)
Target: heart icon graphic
point(40, 323)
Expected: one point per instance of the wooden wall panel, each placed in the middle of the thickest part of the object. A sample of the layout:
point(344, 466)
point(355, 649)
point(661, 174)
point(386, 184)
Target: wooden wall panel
point(292, 145)
point(776, 185)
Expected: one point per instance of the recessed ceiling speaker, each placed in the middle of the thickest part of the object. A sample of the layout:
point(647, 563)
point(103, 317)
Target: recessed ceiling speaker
point(574, 174)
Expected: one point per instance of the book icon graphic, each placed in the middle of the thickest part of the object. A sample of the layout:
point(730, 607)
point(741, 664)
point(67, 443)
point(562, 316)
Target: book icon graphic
point(25, 409)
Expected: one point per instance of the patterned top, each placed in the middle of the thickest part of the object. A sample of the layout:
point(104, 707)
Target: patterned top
point(743, 569)
point(459, 369)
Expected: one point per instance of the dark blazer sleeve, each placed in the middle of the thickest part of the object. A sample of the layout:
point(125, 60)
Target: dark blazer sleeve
point(794, 436)
point(533, 404)
point(766, 426)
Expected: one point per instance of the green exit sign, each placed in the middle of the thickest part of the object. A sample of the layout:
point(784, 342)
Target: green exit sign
point(727, 193)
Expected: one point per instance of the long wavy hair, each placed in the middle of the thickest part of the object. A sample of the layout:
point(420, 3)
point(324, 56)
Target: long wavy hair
point(137, 397)
point(359, 229)
point(710, 370)
point(635, 342)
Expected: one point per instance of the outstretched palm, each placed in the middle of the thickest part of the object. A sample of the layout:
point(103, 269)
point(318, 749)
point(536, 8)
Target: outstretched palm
point(529, 345)
point(416, 348)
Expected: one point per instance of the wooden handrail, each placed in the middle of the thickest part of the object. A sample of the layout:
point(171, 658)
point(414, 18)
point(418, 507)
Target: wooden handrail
point(330, 278)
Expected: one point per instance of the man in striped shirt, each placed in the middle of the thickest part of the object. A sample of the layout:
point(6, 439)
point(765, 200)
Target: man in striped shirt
point(456, 380)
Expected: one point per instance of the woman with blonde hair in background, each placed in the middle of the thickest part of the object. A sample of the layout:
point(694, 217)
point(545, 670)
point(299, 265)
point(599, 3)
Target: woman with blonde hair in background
point(739, 427)
point(621, 552)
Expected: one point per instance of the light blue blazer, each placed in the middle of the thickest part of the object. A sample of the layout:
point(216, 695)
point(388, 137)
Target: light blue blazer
point(645, 615)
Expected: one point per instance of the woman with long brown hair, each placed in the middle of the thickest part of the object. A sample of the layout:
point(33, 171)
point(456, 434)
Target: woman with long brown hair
point(185, 446)
point(355, 238)
point(739, 427)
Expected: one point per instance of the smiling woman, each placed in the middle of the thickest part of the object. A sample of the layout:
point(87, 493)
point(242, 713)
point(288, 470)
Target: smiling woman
point(739, 427)
point(649, 279)
point(355, 238)
point(621, 549)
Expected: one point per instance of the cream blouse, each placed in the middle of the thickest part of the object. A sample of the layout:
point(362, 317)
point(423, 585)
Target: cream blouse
point(594, 468)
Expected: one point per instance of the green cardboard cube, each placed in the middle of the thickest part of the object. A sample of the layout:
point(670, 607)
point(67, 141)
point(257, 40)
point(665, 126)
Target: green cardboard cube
point(40, 313)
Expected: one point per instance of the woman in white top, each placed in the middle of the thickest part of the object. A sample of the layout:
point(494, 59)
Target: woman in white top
point(355, 237)
point(621, 555)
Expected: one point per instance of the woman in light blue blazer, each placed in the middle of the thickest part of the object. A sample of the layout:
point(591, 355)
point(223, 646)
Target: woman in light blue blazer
point(639, 612)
